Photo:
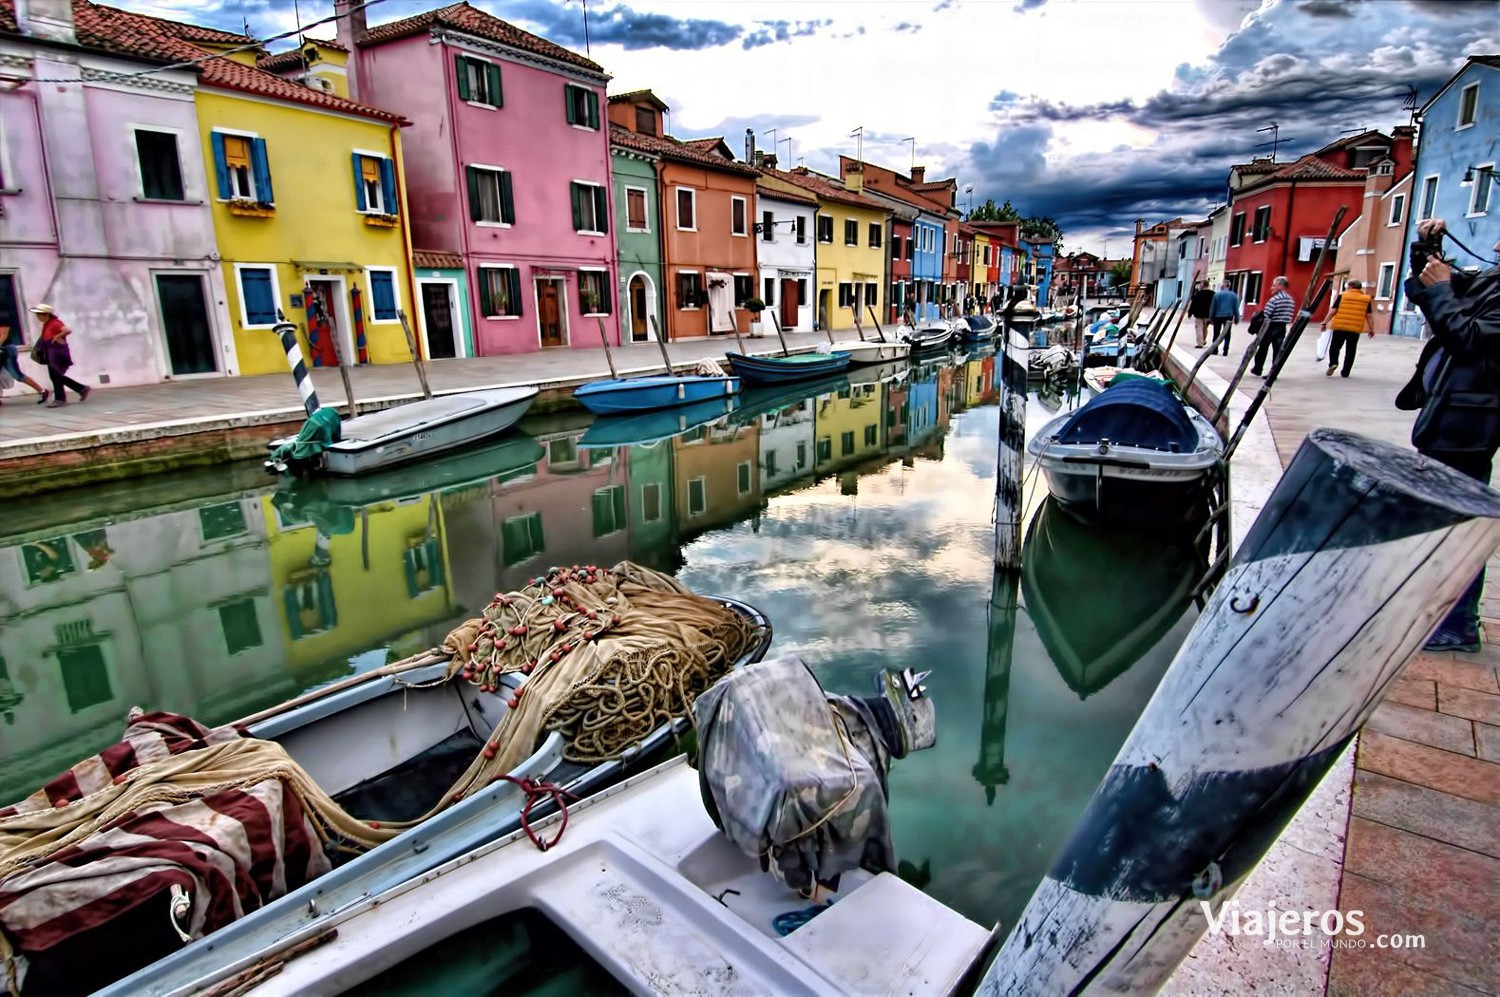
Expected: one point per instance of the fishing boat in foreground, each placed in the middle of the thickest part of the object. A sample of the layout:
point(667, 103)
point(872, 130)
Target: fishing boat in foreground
point(640, 888)
point(404, 433)
point(780, 370)
point(375, 780)
point(1134, 452)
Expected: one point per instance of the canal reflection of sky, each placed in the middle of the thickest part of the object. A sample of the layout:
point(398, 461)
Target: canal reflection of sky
point(859, 520)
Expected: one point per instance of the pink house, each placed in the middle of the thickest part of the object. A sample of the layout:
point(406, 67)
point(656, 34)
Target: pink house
point(507, 164)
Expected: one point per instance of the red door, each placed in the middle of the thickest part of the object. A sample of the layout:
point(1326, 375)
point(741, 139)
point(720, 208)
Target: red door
point(550, 313)
point(789, 304)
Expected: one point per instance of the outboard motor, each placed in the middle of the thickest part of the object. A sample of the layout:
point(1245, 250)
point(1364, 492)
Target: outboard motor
point(796, 777)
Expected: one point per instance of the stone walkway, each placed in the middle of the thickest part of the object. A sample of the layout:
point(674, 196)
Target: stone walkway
point(1423, 853)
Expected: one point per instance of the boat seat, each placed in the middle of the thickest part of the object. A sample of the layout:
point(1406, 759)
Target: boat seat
point(414, 787)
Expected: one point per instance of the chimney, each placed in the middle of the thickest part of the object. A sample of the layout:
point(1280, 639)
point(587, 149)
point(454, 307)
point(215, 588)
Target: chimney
point(351, 28)
point(749, 145)
point(1403, 142)
point(51, 20)
point(854, 178)
point(768, 160)
point(919, 174)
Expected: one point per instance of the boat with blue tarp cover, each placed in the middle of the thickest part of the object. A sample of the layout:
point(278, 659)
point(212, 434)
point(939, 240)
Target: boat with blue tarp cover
point(640, 394)
point(1134, 452)
point(649, 427)
point(780, 370)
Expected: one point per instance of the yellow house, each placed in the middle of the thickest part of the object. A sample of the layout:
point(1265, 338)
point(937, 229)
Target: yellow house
point(850, 232)
point(979, 268)
point(309, 210)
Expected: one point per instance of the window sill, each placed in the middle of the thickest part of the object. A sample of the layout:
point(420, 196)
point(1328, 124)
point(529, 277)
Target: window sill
point(493, 224)
point(383, 221)
point(502, 318)
point(384, 321)
point(145, 200)
point(251, 210)
point(681, 229)
point(10, 190)
point(583, 128)
point(595, 314)
point(589, 231)
point(1477, 214)
point(1462, 128)
point(482, 104)
point(740, 235)
point(637, 231)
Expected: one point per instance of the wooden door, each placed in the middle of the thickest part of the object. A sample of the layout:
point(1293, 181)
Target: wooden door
point(184, 319)
point(638, 309)
point(789, 304)
point(437, 318)
point(549, 313)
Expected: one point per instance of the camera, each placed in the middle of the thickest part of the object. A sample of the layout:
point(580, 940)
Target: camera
point(1424, 249)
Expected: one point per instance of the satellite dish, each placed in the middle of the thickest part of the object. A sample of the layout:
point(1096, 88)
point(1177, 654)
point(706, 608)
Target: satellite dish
point(968, 188)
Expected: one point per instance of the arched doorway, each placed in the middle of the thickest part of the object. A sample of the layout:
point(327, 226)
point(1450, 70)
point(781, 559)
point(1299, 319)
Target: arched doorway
point(640, 296)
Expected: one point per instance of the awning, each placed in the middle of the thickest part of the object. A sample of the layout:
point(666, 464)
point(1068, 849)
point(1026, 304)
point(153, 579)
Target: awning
point(326, 266)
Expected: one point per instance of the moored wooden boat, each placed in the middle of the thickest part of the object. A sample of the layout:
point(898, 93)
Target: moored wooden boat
point(639, 394)
point(977, 327)
point(779, 370)
point(649, 427)
point(870, 351)
point(933, 335)
point(413, 431)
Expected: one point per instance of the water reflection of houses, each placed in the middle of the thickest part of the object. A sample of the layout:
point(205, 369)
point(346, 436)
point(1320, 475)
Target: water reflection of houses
point(716, 470)
point(173, 611)
point(979, 386)
point(849, 430)
point(786, 446)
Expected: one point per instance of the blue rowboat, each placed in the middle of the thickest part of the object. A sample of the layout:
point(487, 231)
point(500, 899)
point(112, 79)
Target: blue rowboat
point(780, 370)
point(643, 394)
point(650, 427)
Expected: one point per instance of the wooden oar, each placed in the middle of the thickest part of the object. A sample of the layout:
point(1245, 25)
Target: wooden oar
point(411, 344)
point(608, 356)
point(784, 351)
point(662, 344)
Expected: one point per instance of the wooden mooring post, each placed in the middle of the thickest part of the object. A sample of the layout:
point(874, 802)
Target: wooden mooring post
point(288, 335)
point(1010, 462)
point(1354, 560)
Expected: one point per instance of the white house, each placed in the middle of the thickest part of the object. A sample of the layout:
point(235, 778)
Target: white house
point(784, 227)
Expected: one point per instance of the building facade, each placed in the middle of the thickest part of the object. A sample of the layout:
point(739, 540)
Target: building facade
point(850, 232)
point(785, 224)
point(638, 221)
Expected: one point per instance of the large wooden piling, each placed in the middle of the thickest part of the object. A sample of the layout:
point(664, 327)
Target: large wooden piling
point(1354, 560)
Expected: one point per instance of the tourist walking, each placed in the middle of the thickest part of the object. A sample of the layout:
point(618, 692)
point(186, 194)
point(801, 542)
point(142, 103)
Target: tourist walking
point(1455, 387)
point(1280, 310)
point(58, 356)
point(1223, 313)
point(1351, 313)
point(11, 341)
point(1198, 306)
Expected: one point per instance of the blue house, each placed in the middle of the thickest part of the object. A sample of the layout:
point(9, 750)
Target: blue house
point(927, 263)
point(1454, 175)
point(1041, 268)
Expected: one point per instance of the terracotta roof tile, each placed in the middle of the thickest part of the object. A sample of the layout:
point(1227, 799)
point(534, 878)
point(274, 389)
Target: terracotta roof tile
point(436, 259)
point(280, 62)
point(670, 148)
point(781, 194)
point(826, 189)
point(471, 20)
point(154, 38)
point(634, 96)
point(1310, 167)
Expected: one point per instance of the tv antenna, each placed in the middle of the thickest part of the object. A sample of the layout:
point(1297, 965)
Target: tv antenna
point(1275, 131)
point(911, 140)
point(859, 145)
point(1409, 103)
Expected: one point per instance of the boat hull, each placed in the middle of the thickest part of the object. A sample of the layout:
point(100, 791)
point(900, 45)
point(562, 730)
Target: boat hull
point(642, 394)
point(650, 427)
point(1137, 494)
point(868, 352)
point(925, 340)
point(783, 370)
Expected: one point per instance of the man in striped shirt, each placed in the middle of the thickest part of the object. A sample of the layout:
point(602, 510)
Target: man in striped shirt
point(1280, 311)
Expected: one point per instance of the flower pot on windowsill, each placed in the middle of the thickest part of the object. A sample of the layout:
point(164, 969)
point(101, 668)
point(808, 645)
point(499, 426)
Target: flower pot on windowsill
point(755, 306)
point(251, 209)
point(383, 221)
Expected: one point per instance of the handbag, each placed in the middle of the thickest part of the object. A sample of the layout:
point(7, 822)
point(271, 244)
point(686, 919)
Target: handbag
point(1324, 342)
point(39, 352)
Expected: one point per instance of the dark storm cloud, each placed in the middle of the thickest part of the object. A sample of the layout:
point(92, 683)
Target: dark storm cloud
point(1325, 8)
point(617, 25)
point(769, 32)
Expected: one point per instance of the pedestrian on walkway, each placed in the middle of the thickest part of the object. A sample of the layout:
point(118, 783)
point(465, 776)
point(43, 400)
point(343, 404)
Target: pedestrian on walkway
point(58, 356)
point(11, 342)
point(1351, 313)
point(1198, 307)
point(1280, 310)
point(1224, 312)
point(1455, 386)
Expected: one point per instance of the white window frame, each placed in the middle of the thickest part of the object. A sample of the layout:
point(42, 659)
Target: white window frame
point(239, 290)
point(603, 119)
point(386, 196)
point(370, 290)
point(659, 513)
point(1459, 125)
point(603, 293)
point(249, 136)
point(702, 482)
point(1423, 209)
point(471, 57)
point(646, 200)
point(677, 208)
point(140, 177)
point(498, 203)
point(744, 213)
point(1398, 210)
point(1385, 280)
point(693, 307)
point(495, 318)
point(597, 186)
point(1483, 182)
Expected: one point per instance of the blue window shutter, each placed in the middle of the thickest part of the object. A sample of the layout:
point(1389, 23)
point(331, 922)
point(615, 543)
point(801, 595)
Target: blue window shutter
point(260, 166)
point(221, 166)
point(260, 302)
point(388, 187)
point(383, 296)
point(359, 183)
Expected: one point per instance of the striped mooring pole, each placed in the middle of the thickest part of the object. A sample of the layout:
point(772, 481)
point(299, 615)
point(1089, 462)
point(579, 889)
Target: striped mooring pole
point(1354, 560)
point(288, 333)
point(1010, 460)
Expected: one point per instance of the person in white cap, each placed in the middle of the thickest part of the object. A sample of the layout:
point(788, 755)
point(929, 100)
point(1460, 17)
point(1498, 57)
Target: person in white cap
point(58, 356)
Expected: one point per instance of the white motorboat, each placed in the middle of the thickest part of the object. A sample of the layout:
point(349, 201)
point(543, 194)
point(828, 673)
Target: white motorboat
point(871, 351)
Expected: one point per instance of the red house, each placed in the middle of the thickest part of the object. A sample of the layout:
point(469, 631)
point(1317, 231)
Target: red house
point(1279, 217)
point(900, 268)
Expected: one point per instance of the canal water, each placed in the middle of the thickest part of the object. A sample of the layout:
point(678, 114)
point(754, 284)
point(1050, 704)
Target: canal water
point(857, 513)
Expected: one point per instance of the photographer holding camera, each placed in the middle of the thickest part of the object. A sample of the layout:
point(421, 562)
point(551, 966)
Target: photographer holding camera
point(1456, 387)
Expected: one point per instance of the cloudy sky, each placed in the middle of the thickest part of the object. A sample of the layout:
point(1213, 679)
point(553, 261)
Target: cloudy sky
point(1096, 112)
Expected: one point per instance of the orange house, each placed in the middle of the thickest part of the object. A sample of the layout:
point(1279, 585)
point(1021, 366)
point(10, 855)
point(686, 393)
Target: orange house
point(707, 220)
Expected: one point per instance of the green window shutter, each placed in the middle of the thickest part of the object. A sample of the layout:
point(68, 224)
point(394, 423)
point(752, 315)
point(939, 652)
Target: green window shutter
point(576, 192)
point(618, 495)
point(461, 71)
point(514, 276)
point(602, 509)
point(497, 96)
point(568, 101)
point(359, 183)
point(601, 209)
point(593, 104)
point(472, 175)
point(507, 199)
point(486, 300)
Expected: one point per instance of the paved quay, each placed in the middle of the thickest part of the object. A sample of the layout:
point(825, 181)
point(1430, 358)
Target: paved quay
point(129, 431)
point(1421, 854)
